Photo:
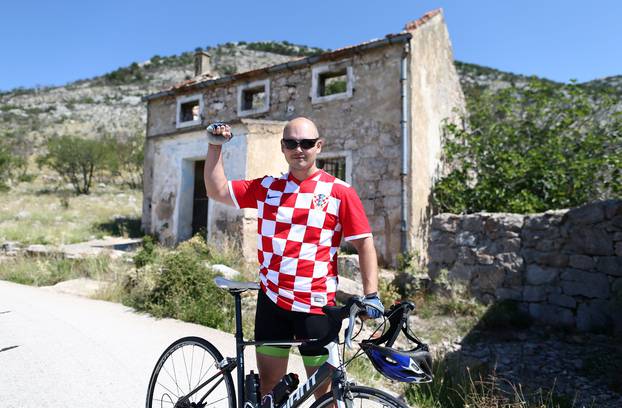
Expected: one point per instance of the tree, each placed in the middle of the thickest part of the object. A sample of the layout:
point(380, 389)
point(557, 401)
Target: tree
point(75, 159)
point(530, 149)
point(125, 156)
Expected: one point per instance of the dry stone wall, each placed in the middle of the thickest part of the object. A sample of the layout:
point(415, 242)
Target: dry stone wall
point(564, 267)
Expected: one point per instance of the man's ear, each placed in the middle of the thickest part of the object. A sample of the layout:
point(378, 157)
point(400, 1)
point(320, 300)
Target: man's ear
point(319, 145)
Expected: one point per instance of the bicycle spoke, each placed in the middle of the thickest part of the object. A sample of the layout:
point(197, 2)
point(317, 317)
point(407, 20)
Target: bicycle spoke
point(206, 373)
point(183, 355)
point(191, 367)
point(166, 388)
point(201, 370)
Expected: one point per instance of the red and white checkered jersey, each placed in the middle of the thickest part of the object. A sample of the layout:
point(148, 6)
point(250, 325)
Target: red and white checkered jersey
point(299, 226)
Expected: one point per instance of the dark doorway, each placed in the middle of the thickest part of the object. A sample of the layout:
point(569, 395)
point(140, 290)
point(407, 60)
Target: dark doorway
point(199, 202)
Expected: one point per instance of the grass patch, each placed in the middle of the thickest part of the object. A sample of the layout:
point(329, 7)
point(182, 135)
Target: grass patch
point(47, 271)
point(455, 386)
point(55, 217)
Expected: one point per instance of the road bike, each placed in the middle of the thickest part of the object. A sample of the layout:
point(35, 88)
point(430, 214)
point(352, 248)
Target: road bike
point(192, 373)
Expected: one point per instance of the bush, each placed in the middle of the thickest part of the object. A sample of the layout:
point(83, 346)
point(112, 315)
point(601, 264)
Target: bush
point(76, 160)
point(531, 149)
point(185, 290)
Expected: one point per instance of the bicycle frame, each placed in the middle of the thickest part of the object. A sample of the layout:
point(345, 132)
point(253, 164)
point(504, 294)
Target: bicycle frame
point(332, 367)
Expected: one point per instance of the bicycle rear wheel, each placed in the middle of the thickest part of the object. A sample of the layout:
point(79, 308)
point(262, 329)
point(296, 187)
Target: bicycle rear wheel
point(183, 366)
point(362, 397)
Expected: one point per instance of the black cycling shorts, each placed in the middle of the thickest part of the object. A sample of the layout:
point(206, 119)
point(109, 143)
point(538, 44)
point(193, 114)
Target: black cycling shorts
point(274, 323)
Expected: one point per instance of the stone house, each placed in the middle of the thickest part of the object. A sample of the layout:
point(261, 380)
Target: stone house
point(379, 105)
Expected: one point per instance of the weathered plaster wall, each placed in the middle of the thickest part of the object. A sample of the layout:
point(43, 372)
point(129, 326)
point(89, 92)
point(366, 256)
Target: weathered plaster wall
point(435, 95)
point(168, 203)
point(564, 267)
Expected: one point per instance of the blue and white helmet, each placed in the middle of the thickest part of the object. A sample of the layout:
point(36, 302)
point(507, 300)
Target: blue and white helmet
point(412, 366)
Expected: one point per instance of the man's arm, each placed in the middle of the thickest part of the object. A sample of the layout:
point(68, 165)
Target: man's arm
point(368, 263)
point(216, 183)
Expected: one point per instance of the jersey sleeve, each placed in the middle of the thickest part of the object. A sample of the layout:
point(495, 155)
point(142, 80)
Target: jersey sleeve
point(352, 216)
point(244, 193)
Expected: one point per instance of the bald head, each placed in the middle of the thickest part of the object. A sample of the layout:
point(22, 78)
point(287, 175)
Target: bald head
point(300, 128)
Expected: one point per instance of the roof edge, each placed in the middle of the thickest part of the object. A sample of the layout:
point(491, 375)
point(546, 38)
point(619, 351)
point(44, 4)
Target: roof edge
point(389, 39)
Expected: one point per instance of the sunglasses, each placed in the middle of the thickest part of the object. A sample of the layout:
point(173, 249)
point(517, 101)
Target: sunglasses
point(306, 144)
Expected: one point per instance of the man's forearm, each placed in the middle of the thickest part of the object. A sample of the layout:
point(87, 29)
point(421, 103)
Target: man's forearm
point(368, 263)
point(214, 175)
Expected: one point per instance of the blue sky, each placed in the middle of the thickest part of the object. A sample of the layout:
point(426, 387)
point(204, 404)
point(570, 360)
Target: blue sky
point(55, 42)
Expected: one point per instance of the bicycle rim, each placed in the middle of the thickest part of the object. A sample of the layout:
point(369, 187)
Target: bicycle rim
point(362, 397)
point(184, 365)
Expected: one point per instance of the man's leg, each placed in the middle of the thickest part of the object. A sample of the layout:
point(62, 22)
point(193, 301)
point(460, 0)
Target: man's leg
point(271, 323)
point(313, 327)
point(311, 366)
point(272, 366)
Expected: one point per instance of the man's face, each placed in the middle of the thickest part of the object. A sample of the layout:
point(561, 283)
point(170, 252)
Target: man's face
point(300, 158)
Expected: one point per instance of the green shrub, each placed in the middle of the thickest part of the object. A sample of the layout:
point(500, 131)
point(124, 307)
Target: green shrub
point(146, 254)
point(530, 149)
point(185, 290)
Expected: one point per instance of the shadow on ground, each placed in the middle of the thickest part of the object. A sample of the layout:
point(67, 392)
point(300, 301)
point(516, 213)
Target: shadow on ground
point(564, 369)
point(122, 227)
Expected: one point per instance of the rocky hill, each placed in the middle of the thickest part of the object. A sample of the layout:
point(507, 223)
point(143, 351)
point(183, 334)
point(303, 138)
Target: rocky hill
point(111, 103)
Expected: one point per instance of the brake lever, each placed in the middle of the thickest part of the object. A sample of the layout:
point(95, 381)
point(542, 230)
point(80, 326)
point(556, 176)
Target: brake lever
point(354, 310)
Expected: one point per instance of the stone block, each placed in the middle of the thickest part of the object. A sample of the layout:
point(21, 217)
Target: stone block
point(442, 253)
point(590, 241)
point(615, 224)
point(612, 208)
point(618, 248)
point(553, 259)
point(466, 255)
point(534, 293)
point(547, 245)
point(466, 238)
point(538, 275)
point(487, 277)
point(510, 261)
point(461, 272)
point(484, 259)
point(551, 314)
point(582, 262)
point(507, 245)
point(593, 316)
point(562, 300)
point(611, 265)
point(536, 222)
point(473, 222)
point(445, 222)
point(226, 271)
point(513, 278)
point(348, 288)
point(349, 267)
point(508, 294)
point(593, 285)
point(588, 214)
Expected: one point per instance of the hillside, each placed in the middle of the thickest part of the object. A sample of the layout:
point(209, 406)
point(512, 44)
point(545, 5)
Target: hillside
point(111, 103)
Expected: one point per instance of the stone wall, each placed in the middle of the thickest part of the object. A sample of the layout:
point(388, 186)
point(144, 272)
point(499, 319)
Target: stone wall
point(564, 267)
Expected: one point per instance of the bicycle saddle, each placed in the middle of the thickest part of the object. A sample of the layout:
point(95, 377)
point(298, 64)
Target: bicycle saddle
point(235, 285)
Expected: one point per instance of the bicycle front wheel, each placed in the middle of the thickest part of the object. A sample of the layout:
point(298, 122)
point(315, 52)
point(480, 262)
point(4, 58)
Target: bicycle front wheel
point(361, 397)
point(185, 365)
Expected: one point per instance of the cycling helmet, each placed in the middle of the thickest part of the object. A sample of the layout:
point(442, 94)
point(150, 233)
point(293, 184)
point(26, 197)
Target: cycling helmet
point(413, 366)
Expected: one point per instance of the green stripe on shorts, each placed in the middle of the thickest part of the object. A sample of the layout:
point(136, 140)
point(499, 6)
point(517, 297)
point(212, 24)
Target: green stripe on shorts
point(314, 361)
point(273, 351)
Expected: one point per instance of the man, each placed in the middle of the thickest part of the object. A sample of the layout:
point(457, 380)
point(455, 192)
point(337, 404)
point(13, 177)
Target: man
point(302, 217)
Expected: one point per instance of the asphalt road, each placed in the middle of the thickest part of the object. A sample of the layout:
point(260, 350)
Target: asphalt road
point(59, 350)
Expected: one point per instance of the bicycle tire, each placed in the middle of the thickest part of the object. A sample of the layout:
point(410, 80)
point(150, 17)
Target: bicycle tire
point(166, 389)
point(365, 397)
